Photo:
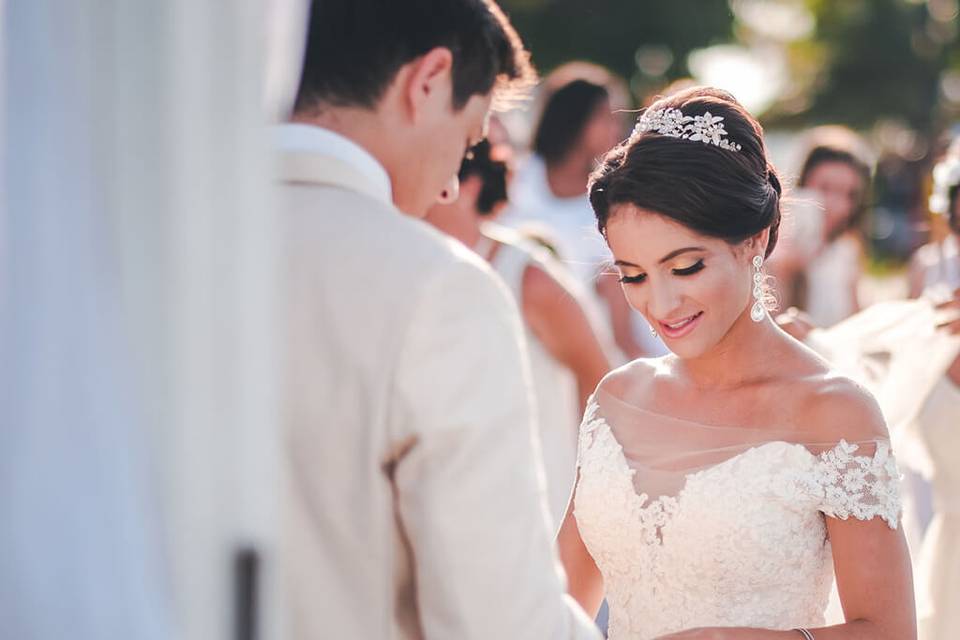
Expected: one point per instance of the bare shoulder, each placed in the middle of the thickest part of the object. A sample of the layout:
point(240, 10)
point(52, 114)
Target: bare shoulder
point(635, 379)
point(541, 287)
point(836, 407)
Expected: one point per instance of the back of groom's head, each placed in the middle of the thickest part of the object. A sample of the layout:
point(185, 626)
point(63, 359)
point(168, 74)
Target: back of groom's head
point(356, 47)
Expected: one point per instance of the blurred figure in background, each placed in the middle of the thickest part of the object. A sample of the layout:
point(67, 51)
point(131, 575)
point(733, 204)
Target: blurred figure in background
point(903, 350)
point(576, 126)
point(935, 267)
point(935, 273)
point(566, 358)
point(578, 123)
point(414, 497)
point(820, 266)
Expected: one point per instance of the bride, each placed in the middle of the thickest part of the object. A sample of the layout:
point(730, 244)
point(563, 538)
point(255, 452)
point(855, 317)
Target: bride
point(722, 487)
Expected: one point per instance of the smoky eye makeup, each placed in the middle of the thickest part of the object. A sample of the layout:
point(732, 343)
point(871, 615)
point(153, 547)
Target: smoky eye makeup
point(625, 279)
point(696, 267)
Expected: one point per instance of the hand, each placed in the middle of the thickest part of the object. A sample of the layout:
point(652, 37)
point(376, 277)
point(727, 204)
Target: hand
point(951, 323)
point(797, 323)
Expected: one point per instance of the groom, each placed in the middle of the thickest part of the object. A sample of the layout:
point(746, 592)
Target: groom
point(415, 507)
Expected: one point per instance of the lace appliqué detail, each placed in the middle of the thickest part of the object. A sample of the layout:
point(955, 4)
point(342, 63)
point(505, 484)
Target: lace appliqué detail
point(607, 454)
point(743, 543)
point(859, 486)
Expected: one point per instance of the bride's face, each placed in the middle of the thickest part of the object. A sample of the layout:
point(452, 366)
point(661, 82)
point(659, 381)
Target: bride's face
point(691, 288)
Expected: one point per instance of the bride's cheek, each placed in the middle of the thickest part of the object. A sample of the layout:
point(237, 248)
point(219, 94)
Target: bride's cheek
point(634, 298)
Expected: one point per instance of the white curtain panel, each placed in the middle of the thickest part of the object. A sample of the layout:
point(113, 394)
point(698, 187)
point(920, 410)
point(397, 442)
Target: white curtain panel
point(138, 382)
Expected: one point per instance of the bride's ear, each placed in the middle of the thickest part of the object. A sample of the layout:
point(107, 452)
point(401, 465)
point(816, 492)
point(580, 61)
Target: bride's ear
point(757, 244)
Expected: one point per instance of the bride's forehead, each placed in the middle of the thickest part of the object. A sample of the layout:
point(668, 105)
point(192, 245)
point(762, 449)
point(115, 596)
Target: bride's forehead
point(639, 232)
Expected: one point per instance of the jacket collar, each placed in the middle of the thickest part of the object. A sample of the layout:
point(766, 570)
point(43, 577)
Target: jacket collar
point(310, 154)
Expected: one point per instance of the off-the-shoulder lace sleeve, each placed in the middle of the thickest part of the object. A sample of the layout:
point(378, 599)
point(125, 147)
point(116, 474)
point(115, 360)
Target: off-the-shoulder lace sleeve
point(588, 427)
point(861, 486)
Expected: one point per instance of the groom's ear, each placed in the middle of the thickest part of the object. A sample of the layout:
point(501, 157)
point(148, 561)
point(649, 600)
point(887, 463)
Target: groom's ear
point(429, 86)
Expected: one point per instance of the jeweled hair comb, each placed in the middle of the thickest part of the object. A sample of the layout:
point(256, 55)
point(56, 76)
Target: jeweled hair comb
point(671, 122)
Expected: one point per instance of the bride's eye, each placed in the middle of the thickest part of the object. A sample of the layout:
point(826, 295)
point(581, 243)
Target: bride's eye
point(633, 279)
point(689, 271)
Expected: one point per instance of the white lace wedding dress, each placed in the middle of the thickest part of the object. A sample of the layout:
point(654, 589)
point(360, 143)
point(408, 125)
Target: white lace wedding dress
point(700, 525)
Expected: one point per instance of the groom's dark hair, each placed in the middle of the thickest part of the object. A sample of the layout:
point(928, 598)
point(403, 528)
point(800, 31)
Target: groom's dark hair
point(355, 48)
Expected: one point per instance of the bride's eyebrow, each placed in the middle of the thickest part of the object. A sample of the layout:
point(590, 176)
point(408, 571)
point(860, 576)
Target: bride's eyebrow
point(678, 252)
point(669, 256)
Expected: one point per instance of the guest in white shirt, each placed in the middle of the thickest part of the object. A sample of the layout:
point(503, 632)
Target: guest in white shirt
point(416, 508)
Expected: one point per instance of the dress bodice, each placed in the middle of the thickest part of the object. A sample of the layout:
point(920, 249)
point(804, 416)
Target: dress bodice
point(742, 542)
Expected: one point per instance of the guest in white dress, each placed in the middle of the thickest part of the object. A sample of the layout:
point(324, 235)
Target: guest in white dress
point(566, 358)
point(576, 126)
point(905, 354)
point(722, 487)
point(935, 273)
point(836, 175)
point(414, 508)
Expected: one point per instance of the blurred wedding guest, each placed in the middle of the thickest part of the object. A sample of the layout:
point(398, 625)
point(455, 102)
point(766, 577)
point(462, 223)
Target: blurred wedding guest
point(415, 504)
point(821, 264)
point(907, 341)
point(566, 358)
point(577, 124)
point(935, 267)
point(935, 274)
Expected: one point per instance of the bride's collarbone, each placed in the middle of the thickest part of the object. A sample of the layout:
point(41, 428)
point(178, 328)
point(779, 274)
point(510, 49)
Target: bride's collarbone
point(779, 407)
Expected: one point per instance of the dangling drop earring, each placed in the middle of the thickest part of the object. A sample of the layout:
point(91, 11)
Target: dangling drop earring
point(653, 331)
point(758, 312)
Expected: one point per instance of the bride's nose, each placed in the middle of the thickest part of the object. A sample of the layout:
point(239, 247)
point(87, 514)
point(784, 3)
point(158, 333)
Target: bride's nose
point(664, 301)
point(450, 192)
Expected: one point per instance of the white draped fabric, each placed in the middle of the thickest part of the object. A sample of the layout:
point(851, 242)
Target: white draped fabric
point(895, 350)
point(138, 403)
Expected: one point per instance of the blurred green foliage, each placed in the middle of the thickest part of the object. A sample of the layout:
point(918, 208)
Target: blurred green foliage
point(864, 62)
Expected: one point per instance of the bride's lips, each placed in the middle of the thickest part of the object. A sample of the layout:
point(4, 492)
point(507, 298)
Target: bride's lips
point(679, 328)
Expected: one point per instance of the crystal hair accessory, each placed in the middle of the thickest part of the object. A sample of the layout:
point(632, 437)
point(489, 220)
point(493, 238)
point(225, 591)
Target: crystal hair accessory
point(946, 175)
point(671, 122)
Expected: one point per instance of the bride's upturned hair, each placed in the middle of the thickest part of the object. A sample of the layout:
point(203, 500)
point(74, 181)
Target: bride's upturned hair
point(718, 191)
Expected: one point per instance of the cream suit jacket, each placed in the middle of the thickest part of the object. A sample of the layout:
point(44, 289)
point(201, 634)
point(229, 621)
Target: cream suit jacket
point(415, 493)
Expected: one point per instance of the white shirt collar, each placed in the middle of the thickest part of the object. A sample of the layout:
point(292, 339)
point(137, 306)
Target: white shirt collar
point(304, 138)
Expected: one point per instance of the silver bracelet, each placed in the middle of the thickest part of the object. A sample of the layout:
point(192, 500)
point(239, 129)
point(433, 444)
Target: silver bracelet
point(806, 634)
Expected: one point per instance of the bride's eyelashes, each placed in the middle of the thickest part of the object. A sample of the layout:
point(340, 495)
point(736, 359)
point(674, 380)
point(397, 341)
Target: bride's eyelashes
point(689, 271)
point(696, 267)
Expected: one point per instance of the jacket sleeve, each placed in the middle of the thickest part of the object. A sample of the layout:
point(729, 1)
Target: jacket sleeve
point(470, 484)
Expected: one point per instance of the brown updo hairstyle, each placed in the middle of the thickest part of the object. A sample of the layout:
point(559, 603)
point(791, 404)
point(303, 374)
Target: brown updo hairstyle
point(732, 195)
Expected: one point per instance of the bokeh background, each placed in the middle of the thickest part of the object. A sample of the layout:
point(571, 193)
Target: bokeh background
point(889, 69)
point(139, 383)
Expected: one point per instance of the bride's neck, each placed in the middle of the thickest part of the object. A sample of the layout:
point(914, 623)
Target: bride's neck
point(742, 356)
